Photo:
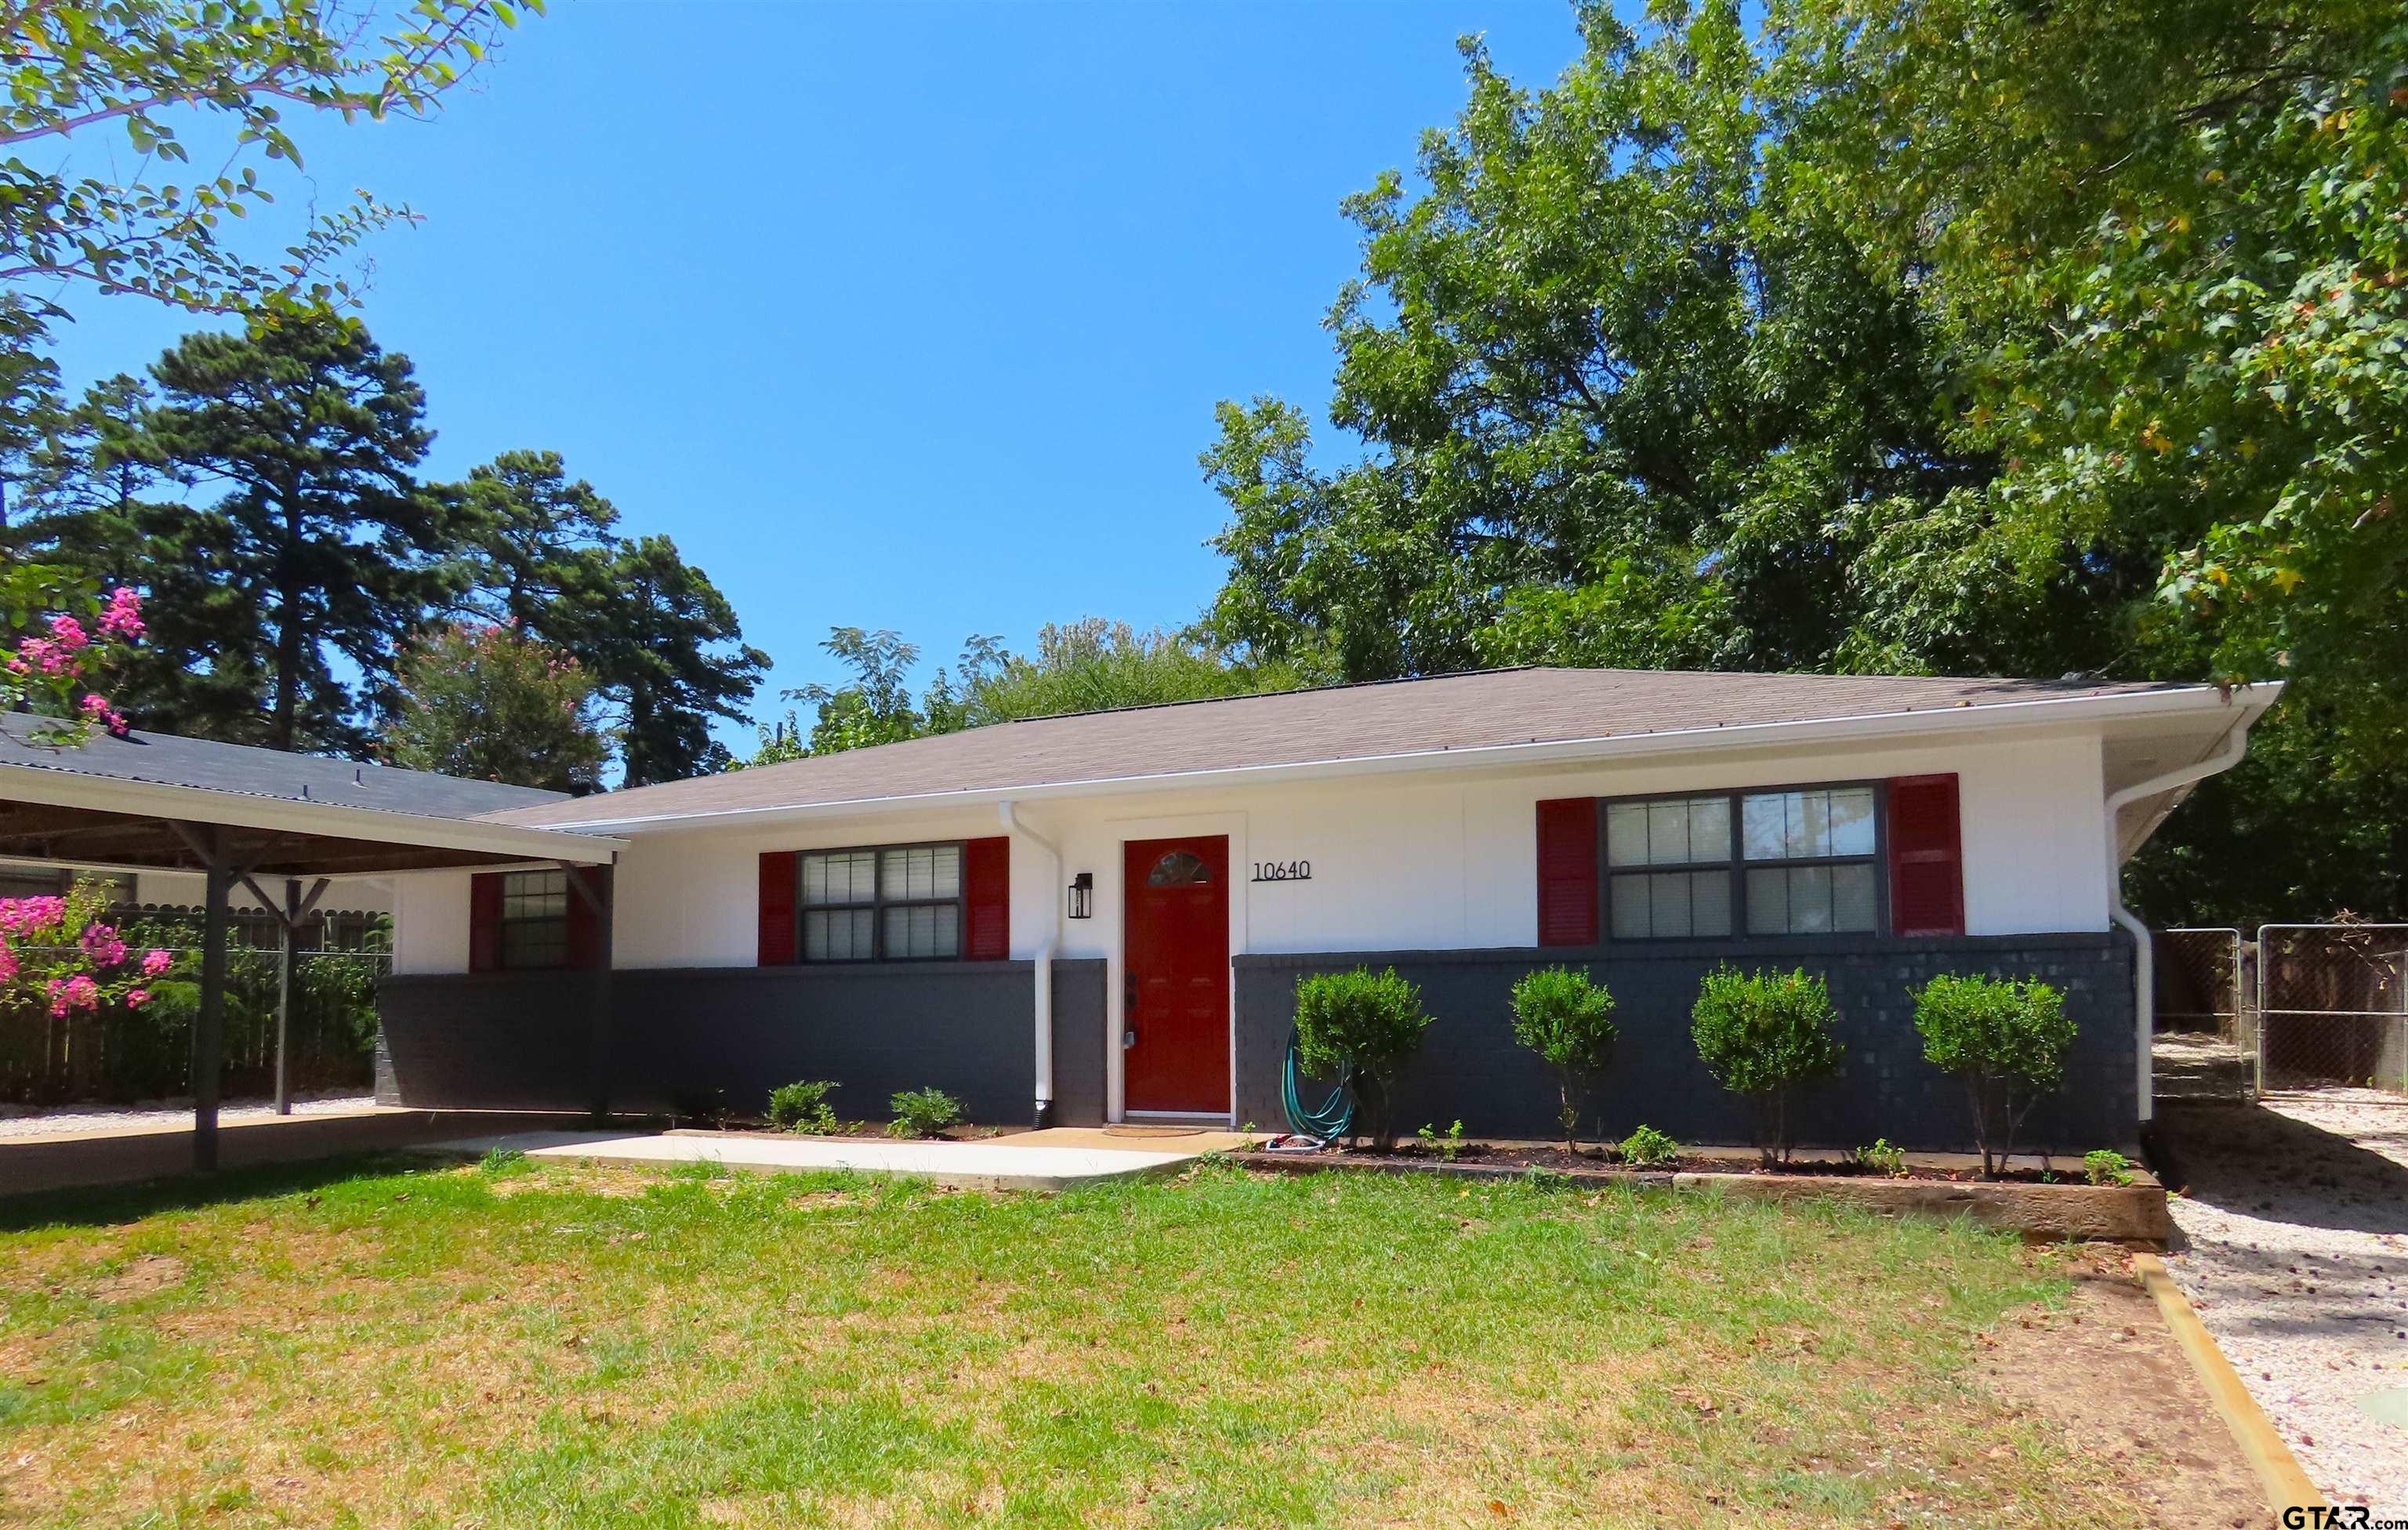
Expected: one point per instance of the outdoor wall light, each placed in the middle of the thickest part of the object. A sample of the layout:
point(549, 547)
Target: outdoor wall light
point(1082, 895)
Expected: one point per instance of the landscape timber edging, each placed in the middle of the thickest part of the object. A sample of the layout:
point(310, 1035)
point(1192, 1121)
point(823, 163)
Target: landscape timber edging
point(2134, 1213)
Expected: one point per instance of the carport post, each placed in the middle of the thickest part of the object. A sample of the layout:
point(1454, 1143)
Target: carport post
point(290, 916)
point(208, 1026)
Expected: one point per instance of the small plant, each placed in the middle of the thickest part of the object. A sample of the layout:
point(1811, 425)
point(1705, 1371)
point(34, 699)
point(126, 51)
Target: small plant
point(803, 1107)
point(1568, 1021)
point(1762, 1034)
point(1648, 1148)
point(1881, 1159)
point(501, 1162)
point(2106, 1167)
point(1447, 1147)
point(1371, 1019)
point(923, 1112)
point(2007, 1040)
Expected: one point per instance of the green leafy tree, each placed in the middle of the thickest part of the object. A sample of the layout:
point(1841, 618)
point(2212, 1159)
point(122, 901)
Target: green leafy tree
point(536, 541)
point(1094, 664)
point(490, 703)
point(1369, 1021)
point(137, 75)
point(1765, 1034)
point(1568, 1021)
point(875, 706)
point(2007, 1040)
point(1623, 381)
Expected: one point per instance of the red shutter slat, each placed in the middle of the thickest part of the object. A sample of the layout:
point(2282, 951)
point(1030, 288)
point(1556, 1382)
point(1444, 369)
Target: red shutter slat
point(485, 921)
point(1568, 872)
point(986, 885)
point(584, 923)
point(778, 872)
point(1926, 857)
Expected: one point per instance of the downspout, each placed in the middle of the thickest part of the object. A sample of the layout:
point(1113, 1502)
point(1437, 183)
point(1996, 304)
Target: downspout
point(1044, 973)
point(2145, 973)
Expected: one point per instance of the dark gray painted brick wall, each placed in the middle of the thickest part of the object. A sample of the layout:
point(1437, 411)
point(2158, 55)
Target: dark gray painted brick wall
point(1471, 1069)
point(685, 1036)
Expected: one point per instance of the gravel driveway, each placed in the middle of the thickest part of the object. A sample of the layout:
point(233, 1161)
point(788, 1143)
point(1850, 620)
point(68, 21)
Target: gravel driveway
point(2297, 1226)
point(101, 1118)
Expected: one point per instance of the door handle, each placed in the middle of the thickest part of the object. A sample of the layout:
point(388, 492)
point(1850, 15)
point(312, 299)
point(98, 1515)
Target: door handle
point(1128, 1014)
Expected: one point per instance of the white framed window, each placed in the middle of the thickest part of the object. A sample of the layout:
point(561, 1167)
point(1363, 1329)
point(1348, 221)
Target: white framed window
point(534, 919)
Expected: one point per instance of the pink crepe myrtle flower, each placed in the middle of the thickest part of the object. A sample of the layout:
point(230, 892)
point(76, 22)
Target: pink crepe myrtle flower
point(68, 632)
point(44, 655)
point(156, 962)
point(29, 915)
point(68, 994)
point(7, 962)
point(123, 617)
point(100, 943)
point(136, 997)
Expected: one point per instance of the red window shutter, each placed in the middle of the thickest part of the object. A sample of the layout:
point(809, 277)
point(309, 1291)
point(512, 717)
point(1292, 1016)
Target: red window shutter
point(485, 921)
point(1926, 857)
point(584, 923)
point(986, 884)
point(1568, 872)
point(778, 874)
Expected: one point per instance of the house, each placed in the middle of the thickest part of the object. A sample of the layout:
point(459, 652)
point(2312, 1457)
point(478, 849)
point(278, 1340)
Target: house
point(1103, 917)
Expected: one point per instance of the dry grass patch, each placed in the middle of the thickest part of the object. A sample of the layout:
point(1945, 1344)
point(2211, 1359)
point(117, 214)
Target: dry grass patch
point(525, 1344)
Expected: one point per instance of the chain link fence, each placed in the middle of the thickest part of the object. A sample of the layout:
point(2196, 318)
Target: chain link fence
point(120, 1057)
point(2331, 1005)
point(2205, 1027)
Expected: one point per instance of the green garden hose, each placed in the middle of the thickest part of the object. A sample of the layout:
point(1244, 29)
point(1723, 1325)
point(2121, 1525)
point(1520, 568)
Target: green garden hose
point(1335, 1115)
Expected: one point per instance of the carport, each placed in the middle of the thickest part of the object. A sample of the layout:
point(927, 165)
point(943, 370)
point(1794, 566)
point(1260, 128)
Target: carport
point(251, 817)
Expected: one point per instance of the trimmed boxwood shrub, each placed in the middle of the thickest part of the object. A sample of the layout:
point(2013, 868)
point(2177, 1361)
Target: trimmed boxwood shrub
point(2006, 1039)
point(1372, 1020)
point(1763, 1035)
point(1568, 1021)
point(803, 1107)
point(923, 1112)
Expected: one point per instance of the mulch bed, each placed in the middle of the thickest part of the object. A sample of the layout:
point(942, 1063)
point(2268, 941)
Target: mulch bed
point(1524, 1157)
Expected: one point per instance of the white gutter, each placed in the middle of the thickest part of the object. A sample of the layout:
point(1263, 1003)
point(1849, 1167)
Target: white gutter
point(1044, 973)
point(2145, 976)
point(334, 821)
point(2063, 711)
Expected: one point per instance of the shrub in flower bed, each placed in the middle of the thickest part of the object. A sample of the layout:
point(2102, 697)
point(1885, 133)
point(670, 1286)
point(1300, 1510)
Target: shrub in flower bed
point(803, 1107)
point(1568, 1021)
point(1763, 1035)
point(1370, 1021)
point(2007, 1040)
point(923, 1112)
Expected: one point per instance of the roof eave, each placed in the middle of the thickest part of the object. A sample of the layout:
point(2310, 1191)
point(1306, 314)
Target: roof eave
point(2047, 711)
point(243, 810)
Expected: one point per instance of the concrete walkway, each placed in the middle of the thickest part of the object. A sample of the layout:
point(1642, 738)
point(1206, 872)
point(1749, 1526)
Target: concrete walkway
point(1047, 1160)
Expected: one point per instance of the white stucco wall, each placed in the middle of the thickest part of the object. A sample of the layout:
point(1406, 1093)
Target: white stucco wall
point(1399, 862)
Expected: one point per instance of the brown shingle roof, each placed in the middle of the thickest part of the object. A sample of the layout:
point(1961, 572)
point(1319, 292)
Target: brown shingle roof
point(1297, 728)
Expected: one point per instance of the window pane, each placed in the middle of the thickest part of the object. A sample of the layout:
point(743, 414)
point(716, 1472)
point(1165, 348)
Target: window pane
point(542, 943)
point(1626, 833)
point(845, 877)
point(922, 931)
point(1668, 834)
point(838, 935)
point(1628, 895)
point(1763, 825)
point(1710, 828)
point(1810, 900)
point(1710, 902)
point(1669, 892)
point(1767, 903)
point(1811, 830)
point(1853, 905)
point(1852, 821)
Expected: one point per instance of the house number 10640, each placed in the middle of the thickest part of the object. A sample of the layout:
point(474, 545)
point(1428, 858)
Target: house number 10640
point(1282, 871)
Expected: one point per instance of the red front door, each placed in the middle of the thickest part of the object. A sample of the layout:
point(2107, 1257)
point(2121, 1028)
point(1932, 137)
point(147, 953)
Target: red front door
point(1176, 955)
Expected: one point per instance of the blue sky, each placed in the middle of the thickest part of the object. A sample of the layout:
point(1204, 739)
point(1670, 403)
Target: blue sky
point(905, 316)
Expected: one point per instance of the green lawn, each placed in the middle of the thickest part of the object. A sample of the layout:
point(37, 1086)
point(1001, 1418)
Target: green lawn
point(509, 1345)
